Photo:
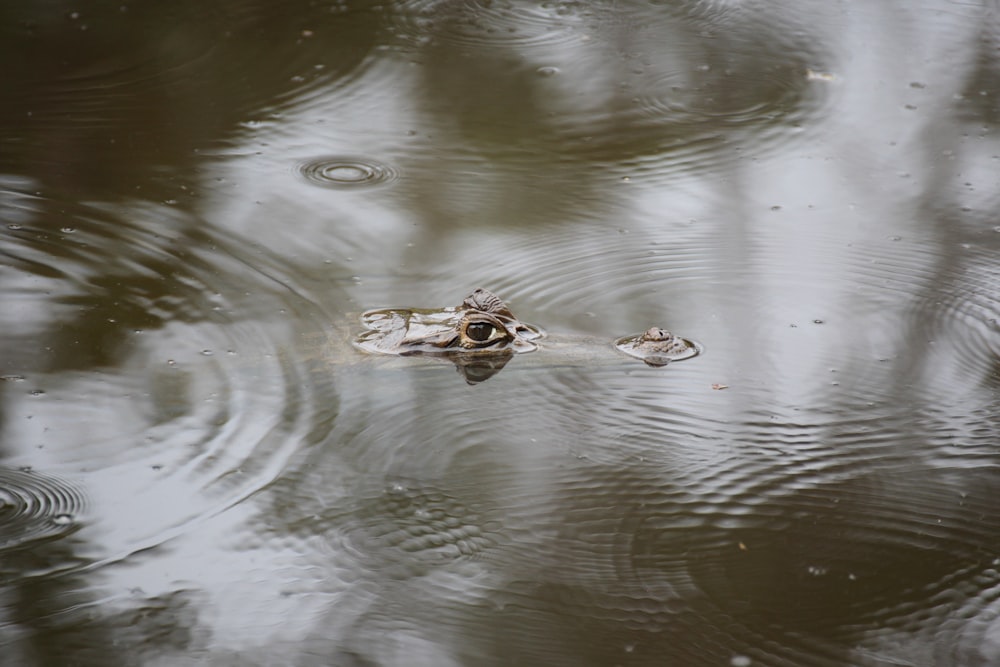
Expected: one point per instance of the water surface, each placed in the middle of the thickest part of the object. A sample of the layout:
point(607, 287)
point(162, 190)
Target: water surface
point(198, 201)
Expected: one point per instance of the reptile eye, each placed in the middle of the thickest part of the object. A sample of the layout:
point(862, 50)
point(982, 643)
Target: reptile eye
point(480, 332)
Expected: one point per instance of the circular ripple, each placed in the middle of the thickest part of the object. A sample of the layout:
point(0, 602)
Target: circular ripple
point(36, 507)
point(654, 276)
point(475, 23)
point(346, 172)
point(192, 364)
point(699, 98)
point(845, 554)
point(958, 315)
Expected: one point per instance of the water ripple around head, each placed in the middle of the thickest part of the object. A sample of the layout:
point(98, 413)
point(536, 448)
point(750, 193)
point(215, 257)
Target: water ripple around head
point(597, 268)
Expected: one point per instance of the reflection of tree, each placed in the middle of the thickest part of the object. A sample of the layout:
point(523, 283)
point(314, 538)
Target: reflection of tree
point(843, 558)
point(957, 305)
point(117, 103)
point(114, 98)
point(873, 552)
point(114, 103)
point(694, 81)
point(670, 90)
point(33, 605)
point(981, 93)
point(57, 620)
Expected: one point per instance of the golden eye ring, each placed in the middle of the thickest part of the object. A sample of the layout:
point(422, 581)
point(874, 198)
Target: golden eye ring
point(482, 331)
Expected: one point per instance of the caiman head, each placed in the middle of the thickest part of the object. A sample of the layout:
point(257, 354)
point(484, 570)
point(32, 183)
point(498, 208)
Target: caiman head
point(481, 334)
point(482, 327)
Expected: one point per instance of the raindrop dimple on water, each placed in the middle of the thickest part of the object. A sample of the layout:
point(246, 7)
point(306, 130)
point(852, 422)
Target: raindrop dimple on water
point(62, 519)
point(547, 71)
point(340, 172)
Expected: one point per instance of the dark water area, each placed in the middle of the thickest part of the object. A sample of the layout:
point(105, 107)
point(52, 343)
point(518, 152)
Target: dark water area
point(198, 200)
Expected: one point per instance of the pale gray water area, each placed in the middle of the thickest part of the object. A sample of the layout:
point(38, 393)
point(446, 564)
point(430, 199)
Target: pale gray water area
point(198, 200)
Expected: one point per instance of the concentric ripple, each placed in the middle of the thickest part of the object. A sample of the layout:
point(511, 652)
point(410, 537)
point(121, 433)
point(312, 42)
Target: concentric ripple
point(847, 558)
point(36, 507)
point(346, 172)
point(479, 23)
point(675, 99)
point(959, 315)
point(154, 361)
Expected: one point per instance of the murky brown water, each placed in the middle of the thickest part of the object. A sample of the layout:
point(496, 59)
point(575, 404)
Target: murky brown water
point(197, 201)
